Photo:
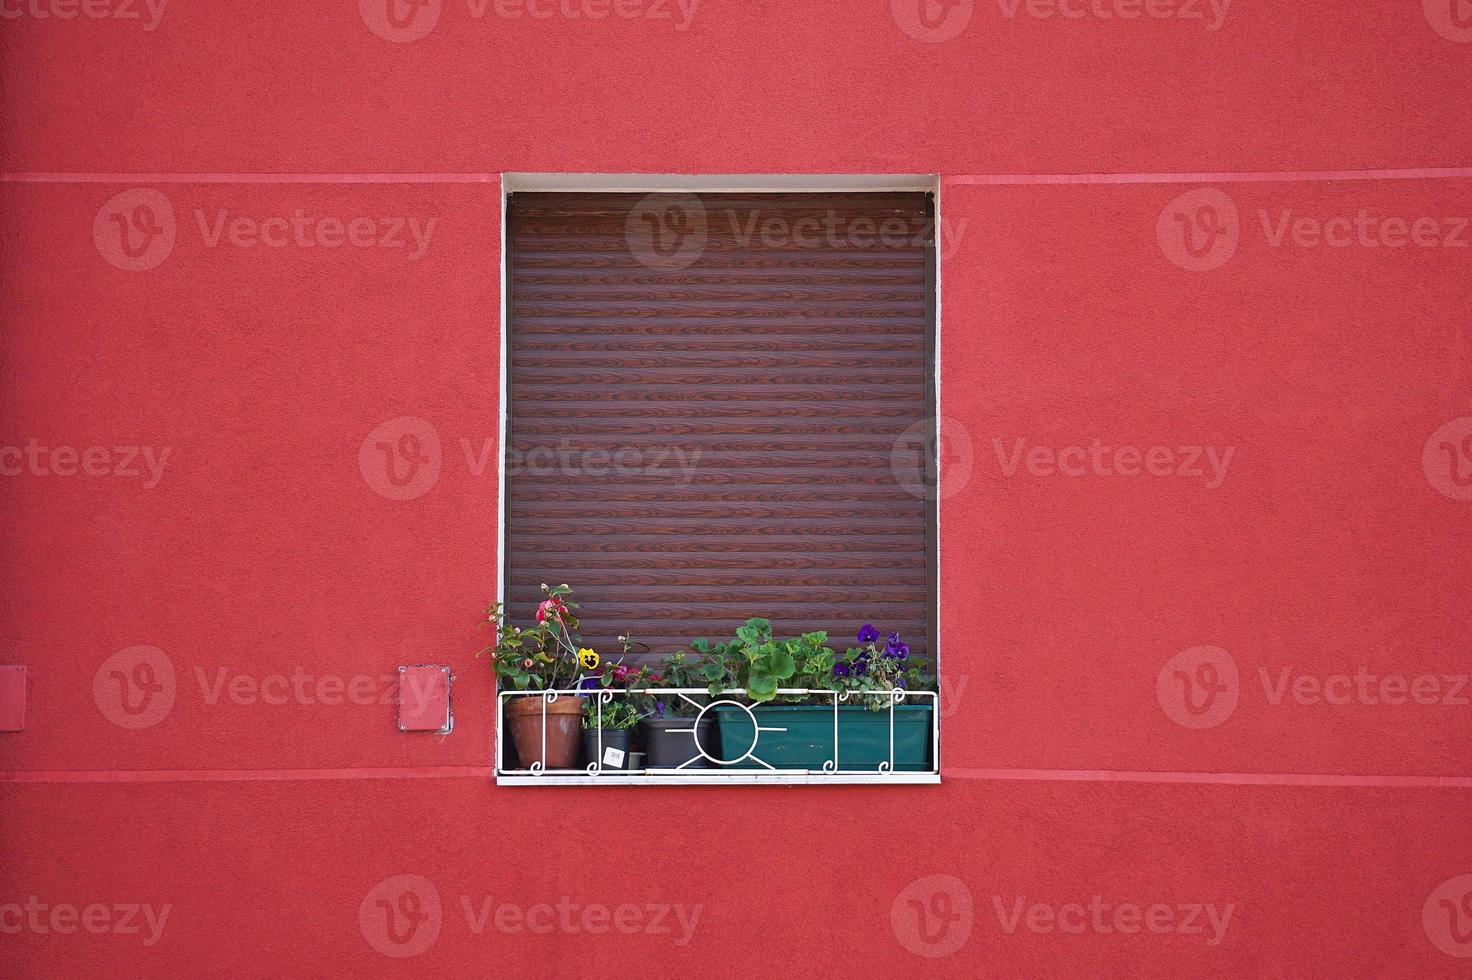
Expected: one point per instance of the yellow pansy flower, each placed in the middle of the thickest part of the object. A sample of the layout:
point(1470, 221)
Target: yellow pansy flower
point(588, 658)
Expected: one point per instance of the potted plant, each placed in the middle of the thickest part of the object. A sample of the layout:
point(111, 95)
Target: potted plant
point(801, 735)
point(669, 727)
point(547, 656)
point(609, 720)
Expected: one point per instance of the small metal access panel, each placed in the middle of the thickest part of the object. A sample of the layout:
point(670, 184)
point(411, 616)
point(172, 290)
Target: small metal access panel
point(12, 699)
point(424, 699)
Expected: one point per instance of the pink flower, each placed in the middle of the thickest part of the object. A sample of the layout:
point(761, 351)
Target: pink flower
point(551, 609)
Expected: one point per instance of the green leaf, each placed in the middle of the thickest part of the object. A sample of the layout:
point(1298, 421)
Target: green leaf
point(755, 632)
point(780, 664)
point(761, 686)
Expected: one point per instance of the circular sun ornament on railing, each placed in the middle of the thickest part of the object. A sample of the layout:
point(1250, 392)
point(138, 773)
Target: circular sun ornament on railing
point(756, 734)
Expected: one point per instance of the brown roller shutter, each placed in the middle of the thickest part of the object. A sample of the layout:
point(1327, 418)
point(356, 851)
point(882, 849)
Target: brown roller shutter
point(698, 435)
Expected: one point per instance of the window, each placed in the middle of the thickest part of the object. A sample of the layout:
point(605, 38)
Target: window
point(721, 405)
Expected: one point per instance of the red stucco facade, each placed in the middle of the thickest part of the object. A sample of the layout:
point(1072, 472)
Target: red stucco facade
point(1298, 384)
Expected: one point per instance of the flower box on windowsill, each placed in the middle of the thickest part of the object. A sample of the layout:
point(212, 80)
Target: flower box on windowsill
point(832, 739)
point(803, 736)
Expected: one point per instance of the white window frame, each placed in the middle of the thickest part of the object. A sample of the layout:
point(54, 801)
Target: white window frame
point(629, 183)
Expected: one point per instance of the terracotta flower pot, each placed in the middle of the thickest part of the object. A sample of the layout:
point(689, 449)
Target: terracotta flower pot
point(564, 730)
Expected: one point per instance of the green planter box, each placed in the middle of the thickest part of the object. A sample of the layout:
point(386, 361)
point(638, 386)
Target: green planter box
point(807, 742)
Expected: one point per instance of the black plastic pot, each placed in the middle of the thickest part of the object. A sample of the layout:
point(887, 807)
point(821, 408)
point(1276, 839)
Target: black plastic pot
point(671, 749)
point(615, 745)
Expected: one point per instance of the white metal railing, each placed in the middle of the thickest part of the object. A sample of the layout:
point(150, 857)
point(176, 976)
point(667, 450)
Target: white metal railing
point(692, 771)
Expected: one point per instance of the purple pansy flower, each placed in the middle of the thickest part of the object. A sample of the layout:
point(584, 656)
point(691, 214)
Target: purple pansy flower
point(840, 670)
point(861, 667)
point(868, 634)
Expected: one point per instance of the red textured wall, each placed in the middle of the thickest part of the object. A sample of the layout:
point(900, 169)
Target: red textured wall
point(1333, 542)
